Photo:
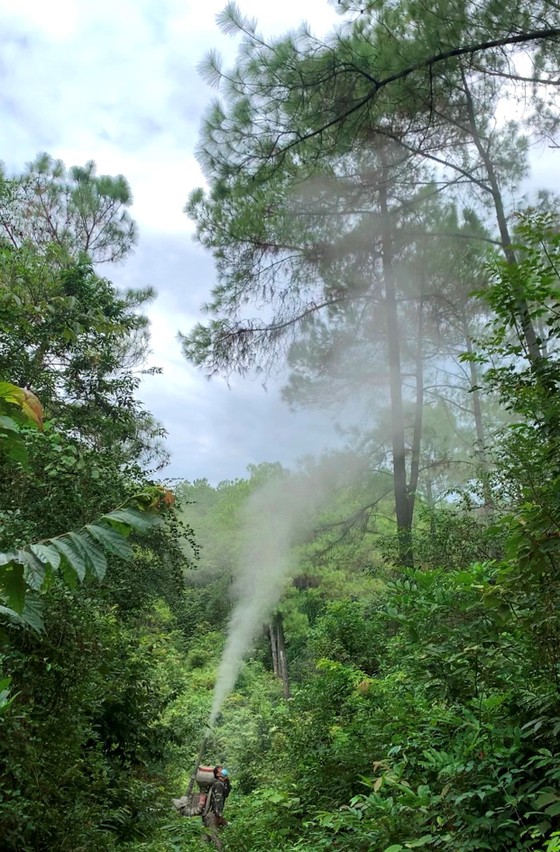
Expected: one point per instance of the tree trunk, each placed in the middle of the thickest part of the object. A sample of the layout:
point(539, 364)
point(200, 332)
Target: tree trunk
point(273, 648)
point(278, 646)
point(532, 344)
point(402, 503)
point(419, 412)
point(480, 447)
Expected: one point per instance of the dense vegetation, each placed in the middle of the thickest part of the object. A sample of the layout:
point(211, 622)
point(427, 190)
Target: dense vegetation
point(82, 629)
point(402, 688)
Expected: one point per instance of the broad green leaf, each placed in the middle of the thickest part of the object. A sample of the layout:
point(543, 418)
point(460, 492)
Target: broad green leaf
point(32, 614)
point(74, 540)
point(8, 424)
point(10, 613)
point(11, 443)
point(26, 400)
point(110, 540)
point(34, 569)
point(276, 797)
point(546, 799)
point(47, 554)
point(132, 518)
point(94, 555)
point(71, 555)
point(11, 393)
point(73, 558)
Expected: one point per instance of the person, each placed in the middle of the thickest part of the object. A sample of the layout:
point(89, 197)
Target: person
point(213, 813)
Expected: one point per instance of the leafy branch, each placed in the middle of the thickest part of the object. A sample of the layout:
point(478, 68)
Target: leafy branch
point(73, 555)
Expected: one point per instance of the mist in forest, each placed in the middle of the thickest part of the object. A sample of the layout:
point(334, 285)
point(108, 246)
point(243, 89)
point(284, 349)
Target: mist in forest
point(274, 518)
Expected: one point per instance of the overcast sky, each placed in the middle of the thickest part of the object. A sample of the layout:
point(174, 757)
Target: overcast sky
point(116, 81)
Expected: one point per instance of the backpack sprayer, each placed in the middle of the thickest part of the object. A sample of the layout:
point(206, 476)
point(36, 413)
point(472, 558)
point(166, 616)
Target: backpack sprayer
point(193, 803)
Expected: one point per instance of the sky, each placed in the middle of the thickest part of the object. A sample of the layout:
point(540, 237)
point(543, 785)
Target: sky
point(117, 83)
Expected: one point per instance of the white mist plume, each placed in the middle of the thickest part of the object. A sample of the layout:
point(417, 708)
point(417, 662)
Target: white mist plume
point(273, 519)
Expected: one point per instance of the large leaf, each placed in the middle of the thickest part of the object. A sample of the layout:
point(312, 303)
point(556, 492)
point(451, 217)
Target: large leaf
point(30, 617)
point(95, 557)
point(8, 424)
point(47, 554)
point(130, 518)
point(11, 442)
point(33, 568)
point(11, 393)
point(71, 555)
point(110, 540)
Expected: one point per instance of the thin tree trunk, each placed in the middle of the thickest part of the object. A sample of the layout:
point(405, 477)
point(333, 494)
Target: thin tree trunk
point(480, 447)
point(477, 408)
point(278, 648)
point(282, 660)
point(273, 648)
point(531, 340)
point(402, 504)
point(418, 414)
point(430, 502)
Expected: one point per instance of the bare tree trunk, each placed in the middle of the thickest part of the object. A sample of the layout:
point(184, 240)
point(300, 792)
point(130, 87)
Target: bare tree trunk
point(480, 448)
point(402, 503)
point(273, 648)
point(534, 353)
point(418, 413)
point(282, 660)
point(278, 647)
point(477, 408)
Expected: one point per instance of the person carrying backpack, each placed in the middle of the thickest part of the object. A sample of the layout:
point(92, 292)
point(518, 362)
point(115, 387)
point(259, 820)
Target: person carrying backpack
point(212, 815)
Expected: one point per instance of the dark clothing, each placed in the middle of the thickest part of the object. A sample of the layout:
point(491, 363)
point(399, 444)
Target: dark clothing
point(219, 791)
point(212, 816)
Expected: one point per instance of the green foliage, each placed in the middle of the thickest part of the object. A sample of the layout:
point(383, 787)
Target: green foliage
point(424, 709)
point(332, 211)
point(70, 317)
point(91, 596)
point(346, 633)
point(73, 556)
point(75, 210)
point(83, 744)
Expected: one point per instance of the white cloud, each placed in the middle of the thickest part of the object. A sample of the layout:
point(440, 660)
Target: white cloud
point(117, 82)
point(57, 19)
